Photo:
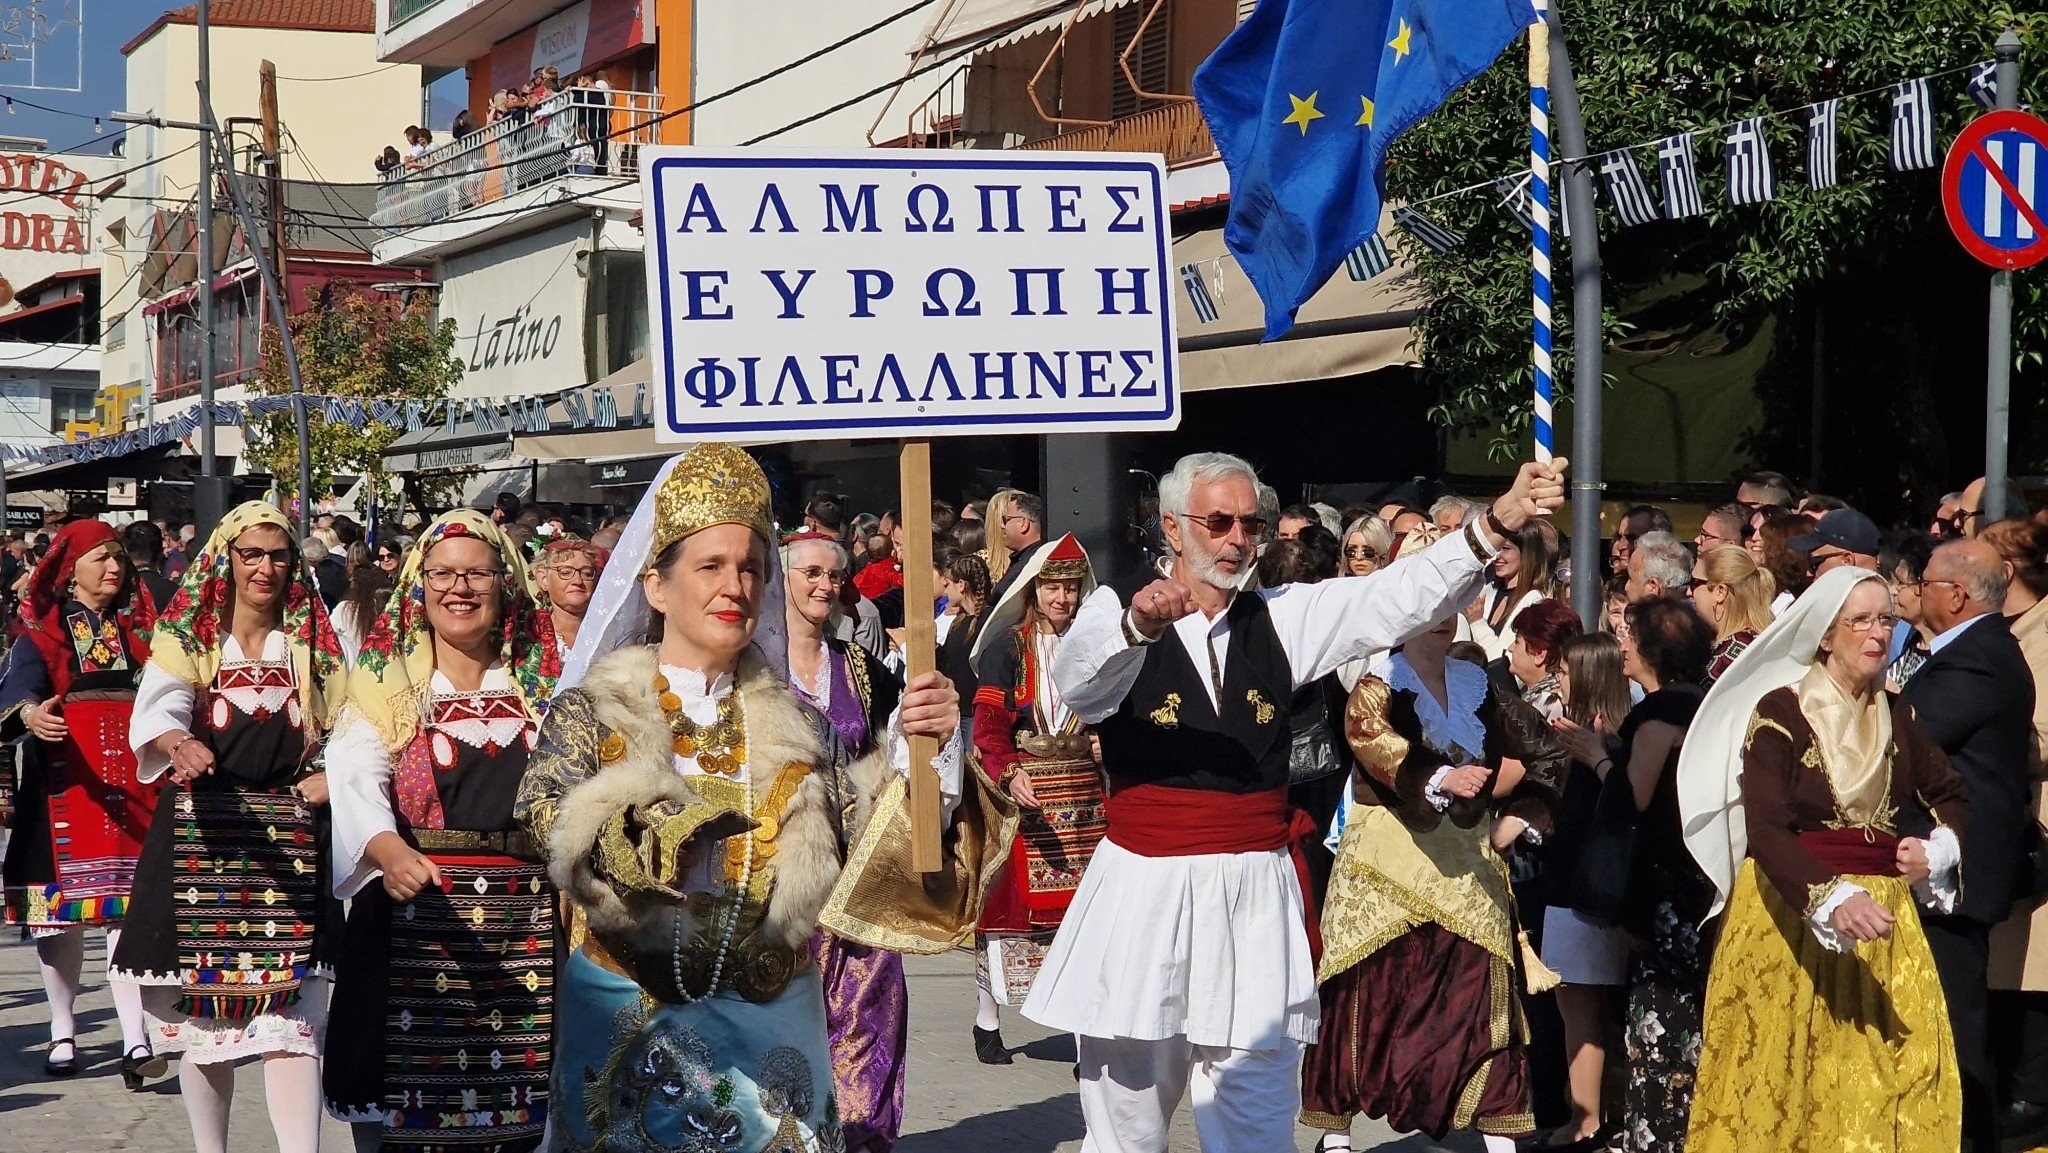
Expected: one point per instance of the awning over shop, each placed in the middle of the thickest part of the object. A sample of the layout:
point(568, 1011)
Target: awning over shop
point(1348, 328)
point(89, 475)
point(960, 21)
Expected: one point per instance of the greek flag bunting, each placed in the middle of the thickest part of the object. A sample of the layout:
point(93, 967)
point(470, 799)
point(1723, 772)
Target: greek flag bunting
point(1983, 84)
point(1678, 176)
point(1822, 148)
point(1198, 293)
point(1625, 187)
point(1368, 259)
point(1913, 126)
point(1433, 236)
point(1513, 192)
point(1749, 164)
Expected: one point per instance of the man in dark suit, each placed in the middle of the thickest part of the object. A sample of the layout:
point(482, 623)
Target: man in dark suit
point(1975, 698)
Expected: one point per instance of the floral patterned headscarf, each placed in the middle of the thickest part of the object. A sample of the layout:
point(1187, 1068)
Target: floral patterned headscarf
point(393, 680)
point(189, 631)
point(42, 607)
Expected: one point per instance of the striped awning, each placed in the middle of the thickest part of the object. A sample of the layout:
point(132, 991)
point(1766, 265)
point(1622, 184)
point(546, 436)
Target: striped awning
point(967, 21)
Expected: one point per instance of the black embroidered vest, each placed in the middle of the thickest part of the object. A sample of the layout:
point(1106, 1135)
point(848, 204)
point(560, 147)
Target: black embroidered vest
point(1167, 733)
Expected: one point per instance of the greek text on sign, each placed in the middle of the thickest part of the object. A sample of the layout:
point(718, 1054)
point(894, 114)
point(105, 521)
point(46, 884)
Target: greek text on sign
point(1995, 189)
point(879, 294)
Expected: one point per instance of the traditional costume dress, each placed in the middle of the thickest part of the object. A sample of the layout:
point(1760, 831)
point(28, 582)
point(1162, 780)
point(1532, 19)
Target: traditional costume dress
point(698, 830)
point(1023, 725)
point(1185, 954)
point(81, 813)
point(1795, 796)
point(1422, 967)
point(226, 934)
point(444, 1014)
point(867, 998)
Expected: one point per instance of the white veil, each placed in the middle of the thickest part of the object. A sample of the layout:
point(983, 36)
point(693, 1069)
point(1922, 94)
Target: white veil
point(1710, 764)
point(619, 614)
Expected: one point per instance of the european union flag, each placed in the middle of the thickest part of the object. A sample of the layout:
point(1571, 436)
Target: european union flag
point(1305, 98)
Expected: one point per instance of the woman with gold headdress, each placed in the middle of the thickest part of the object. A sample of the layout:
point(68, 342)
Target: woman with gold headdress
point(1034, 747)
point(69, 685)
point(1801, 783)
point(449, 962)
point(244, 671)
point(1421, 958)
point(697, 815)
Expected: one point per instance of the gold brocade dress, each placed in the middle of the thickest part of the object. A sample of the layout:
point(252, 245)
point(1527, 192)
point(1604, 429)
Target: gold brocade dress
point(1805, 1048)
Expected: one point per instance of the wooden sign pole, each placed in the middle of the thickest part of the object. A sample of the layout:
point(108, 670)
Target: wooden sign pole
point(920, 641)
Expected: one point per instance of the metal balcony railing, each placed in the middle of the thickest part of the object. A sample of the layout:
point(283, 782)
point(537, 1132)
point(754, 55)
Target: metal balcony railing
point(576, 132)
point(403, 10)
point(1176, 131)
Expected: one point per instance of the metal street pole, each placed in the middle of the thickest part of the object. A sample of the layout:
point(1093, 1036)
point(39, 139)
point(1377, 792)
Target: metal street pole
point(1998, 371)
point(1586, 335)
point(208, 505)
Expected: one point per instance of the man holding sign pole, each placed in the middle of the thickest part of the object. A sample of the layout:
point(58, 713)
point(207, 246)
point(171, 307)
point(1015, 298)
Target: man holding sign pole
point(1185, 959)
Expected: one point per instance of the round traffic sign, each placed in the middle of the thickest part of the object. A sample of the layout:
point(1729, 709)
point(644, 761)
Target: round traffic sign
point(1994, 187)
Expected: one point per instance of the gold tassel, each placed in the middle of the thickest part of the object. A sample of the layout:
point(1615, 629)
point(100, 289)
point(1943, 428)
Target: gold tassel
point(1537, 976)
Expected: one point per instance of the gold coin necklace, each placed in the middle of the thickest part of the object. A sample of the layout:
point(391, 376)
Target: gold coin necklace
point(721, 748)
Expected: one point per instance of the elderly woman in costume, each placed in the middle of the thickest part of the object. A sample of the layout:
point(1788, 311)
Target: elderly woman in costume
point(566, 574)
point(1422, 959)
point(1801, 784)
point(243, 674)
point(1033, 747)
point(867, 1001)
point(697, 814)
point(69, 684)
point(443, 1006)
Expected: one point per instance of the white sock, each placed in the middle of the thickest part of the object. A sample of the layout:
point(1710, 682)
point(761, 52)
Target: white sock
point(292, 1084)
point(127, 1002)
point(1337, 1141)
point(987, 1014)
point(208, 1090)
point(1498, 1144)
point(60, 957)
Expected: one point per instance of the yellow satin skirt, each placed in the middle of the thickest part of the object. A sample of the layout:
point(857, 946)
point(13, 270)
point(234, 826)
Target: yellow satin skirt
point(1811, 1051)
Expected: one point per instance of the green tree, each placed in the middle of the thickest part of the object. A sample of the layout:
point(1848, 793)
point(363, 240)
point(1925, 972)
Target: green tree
point(353, 342)
point(1646, 71)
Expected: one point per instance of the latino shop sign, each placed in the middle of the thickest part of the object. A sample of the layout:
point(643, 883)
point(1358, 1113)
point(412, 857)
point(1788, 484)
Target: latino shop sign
point(826, 295)
point(518, 312)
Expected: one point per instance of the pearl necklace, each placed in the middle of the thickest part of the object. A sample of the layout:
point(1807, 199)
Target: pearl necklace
point(732, 908)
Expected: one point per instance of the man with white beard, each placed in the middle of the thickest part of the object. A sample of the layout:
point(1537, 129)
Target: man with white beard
point(1184, 960)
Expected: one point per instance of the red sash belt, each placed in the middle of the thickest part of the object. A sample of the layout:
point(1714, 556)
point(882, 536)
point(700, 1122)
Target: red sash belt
point(1155, 821)
point(1853, 853)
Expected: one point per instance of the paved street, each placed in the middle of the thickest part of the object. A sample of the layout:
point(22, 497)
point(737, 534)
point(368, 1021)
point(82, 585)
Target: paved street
point(954, 1103)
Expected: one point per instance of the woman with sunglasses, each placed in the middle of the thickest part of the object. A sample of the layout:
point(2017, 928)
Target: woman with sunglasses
point(1734, 596)
point(449, 953)
point(228, 936)
point(69, 686)
point(867, 1000)
point(1367, 546)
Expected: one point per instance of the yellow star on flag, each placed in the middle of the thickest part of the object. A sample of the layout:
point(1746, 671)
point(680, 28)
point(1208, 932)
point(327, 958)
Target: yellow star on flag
point(1400, 42)
point(1304, 111)
point(1365, 114)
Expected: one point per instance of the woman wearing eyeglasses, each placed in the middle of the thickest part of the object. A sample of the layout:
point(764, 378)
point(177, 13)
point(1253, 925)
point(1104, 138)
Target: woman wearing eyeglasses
point(1800, 785)
point(229, 935)
point(69, 685)
point(443, 1017)
point(867, 1002)
point(566, 575)
point(1368, 545)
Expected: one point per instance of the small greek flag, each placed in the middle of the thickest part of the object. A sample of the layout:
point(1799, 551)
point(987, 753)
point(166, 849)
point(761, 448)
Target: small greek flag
point(1913, 126)
point(1433, 236)
point(1369, 259)
point(1516, 201)
point(1626, 189)
point(1983, 84)
point(1679, 177)
point(1749, 164)
point(1821, 146)
point(1198, 293)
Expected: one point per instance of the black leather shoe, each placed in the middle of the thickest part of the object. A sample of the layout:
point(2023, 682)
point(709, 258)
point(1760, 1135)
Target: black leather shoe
point(2022, 1125)
point(989, 1048)
point(139, 1064)
point(68, 1067)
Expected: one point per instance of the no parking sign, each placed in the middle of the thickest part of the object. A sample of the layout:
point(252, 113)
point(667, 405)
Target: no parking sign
point(1994, 186)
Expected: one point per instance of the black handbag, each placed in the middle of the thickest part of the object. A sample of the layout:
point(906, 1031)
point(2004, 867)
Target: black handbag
point(1600, 884)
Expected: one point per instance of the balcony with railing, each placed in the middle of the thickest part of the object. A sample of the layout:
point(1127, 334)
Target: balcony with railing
point(580, 132)
point(402, 10)
point(1176, 131)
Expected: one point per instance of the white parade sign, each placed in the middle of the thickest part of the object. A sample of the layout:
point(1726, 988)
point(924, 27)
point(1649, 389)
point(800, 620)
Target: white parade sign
point(907, 293)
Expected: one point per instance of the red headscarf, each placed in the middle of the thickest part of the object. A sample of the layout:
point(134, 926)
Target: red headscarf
point(42, 609)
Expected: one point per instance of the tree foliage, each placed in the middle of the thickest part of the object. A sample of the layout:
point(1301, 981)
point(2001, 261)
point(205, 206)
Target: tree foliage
point(1646, 71)
point(353, 342)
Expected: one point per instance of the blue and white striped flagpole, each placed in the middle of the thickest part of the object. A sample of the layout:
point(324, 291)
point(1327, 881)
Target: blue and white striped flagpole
point(1539, 213)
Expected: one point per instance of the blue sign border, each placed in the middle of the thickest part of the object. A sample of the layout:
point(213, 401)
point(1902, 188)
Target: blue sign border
point(1170, 369)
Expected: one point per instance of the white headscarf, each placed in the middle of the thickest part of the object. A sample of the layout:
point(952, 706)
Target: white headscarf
point(1710, 764)
point(619, 614)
